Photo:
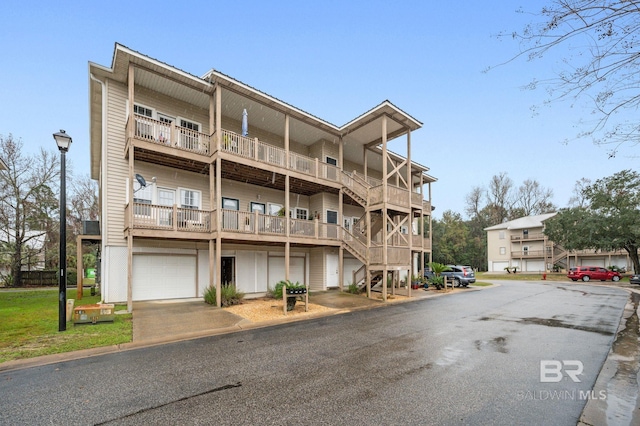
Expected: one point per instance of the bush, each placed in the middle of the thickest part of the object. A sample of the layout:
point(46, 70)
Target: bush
point(353, 288)
point(277, 290)
point(229, 295)
point(210, 295)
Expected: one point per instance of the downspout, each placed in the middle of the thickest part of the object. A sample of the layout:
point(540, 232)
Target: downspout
point(103, 188)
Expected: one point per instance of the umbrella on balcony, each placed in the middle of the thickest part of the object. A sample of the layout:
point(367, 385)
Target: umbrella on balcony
point(245, 123)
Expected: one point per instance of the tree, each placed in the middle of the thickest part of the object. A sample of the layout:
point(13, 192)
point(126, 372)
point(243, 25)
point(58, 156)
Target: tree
point(452, 239)
point(27, 202)
point(533, 199)
point(602, 62)
point(610, 221)
point(578, 199)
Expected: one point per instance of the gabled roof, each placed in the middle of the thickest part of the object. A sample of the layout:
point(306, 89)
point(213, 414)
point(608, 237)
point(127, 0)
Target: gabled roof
point(364, 130)
point(523, 222)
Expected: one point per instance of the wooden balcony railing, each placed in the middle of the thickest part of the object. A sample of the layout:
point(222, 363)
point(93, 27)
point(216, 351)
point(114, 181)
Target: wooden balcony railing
point(529, 253)
point(168, 134)
point(150, 216)
point(532, 236)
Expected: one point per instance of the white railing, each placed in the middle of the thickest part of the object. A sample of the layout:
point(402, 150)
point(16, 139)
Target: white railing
point(302, 164)
point(271, 154)
point(238, 144)
point(169, 134)
point(301, 227)
point(152, 216)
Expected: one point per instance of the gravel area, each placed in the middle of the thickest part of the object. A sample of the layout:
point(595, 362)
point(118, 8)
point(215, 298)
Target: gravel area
point(259, 310)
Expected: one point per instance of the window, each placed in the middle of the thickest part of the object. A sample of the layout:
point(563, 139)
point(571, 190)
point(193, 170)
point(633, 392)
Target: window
point(274, 209)
point(330, 160)
point(189, 136)
point(347, 223)
point(503, 250)
point(142, 110)
point(230, 203)
point(525, 250)
point(257, 207)
point(301, 213)
point(190, 199)
point(501, 235)
point(144, 128)
point(332, 216)
point(142, 195)
point(165, 118)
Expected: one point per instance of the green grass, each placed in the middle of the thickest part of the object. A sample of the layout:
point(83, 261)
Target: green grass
point(481, 284)
point(29, 326)
point(524, 276)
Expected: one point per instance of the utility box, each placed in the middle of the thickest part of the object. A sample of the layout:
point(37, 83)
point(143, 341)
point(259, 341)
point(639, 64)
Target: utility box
point(90, 227)
point(91, 314)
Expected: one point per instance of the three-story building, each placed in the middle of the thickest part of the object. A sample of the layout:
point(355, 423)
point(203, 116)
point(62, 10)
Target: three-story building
point(206, 181)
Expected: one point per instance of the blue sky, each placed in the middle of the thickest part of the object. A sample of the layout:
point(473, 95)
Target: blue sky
point(333, 59)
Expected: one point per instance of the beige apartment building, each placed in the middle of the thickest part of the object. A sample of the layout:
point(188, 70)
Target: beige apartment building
point(207, 181)
point(521, 243)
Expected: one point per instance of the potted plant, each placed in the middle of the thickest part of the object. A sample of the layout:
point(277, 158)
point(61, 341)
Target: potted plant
point(291, 290)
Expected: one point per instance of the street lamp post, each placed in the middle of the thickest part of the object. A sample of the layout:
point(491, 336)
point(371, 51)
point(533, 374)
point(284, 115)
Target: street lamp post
point(64, 142)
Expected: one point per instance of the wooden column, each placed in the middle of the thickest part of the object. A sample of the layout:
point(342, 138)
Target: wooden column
point(385, 194)
point(219, 228)
point(218, 117)
point(214, 222)
point(287, 244)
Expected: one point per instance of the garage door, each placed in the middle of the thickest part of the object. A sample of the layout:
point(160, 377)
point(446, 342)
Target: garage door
point(163, 277)
point(499, 266)
point(276, 270)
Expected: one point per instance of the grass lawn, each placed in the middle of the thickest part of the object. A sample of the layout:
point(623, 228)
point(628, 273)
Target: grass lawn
point(29, 325)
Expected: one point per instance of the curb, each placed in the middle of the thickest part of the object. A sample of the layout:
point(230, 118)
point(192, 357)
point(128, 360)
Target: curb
point(45, 360)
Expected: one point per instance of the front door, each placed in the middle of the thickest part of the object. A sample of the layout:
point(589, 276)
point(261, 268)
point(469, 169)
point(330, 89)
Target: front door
point(228, 270)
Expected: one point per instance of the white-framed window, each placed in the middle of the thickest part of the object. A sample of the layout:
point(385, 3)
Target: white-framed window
point(164, 118)
point(503, 250)
point(142, 195)
point(189, 133)
point(348, 222)
point(330, 160)
point(300, 213)
point(274, 209)
point(142, 110)
point(501, 235)
point(190, 199)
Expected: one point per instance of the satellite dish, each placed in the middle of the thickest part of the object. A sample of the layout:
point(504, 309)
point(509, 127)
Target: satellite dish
point(141, 180)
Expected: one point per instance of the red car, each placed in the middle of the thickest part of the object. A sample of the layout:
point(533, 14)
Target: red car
point(586, 273)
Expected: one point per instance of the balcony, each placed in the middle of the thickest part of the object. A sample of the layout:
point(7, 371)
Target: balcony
point(529, 253)
point(169, 135)
point(528, 237)
point(254, 149)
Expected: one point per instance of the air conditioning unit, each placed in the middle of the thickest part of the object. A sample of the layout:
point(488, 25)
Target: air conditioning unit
point(91, 227)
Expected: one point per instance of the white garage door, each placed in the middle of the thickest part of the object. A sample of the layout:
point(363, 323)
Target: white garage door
point(535, 265)
point(276, 270)
point(163, 277)
point(499, 266)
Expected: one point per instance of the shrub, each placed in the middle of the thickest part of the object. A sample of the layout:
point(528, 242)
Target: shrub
point(229, 295)
point(277, 290)
point(210, 295)
point(353, 288)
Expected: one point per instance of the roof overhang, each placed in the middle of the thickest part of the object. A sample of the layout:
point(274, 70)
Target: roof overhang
point(3, 165)
point(365, 131)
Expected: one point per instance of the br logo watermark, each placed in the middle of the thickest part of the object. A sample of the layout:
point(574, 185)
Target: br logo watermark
point(552, 371)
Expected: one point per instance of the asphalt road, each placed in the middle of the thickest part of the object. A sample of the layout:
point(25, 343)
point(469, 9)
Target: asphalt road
point(471, 358)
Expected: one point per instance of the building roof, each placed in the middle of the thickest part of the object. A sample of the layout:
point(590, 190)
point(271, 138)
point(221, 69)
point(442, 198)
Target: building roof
point(523, 222)
point(363, 131)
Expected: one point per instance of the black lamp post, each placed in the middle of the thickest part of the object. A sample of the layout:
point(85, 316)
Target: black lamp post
point(64, 142)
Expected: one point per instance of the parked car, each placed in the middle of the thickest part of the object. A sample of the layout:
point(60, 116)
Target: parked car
point(634, 279)
point(586, 273)
point(462, 275)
